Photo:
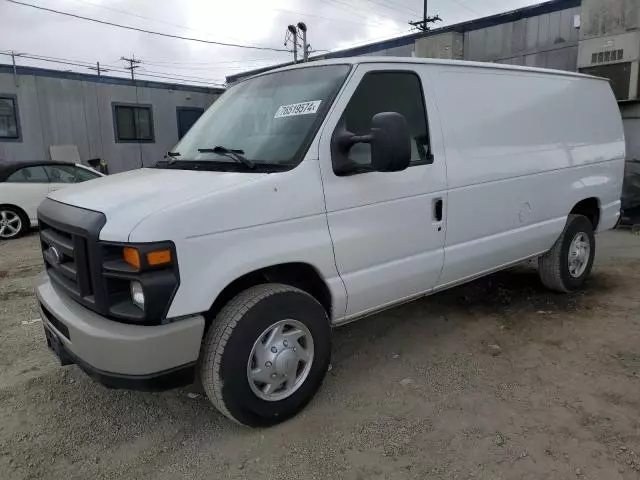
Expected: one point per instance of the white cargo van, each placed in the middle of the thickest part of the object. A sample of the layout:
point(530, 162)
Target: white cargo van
point(315, 195)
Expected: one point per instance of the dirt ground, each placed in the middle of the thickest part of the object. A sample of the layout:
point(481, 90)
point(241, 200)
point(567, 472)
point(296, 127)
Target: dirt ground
point(497, 379)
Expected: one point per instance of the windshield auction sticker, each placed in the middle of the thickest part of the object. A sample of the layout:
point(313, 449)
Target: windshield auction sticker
point(304, 108)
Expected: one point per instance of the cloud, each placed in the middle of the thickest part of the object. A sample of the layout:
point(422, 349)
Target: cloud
point(332, 24)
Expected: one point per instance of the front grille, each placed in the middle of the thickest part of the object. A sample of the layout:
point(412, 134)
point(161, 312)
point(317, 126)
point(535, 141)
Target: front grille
point(71, 252)
point(65, 257)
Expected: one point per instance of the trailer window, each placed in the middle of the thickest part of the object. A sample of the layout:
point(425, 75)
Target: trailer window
point(9, 128)
point(133, 123)
point(378, 92)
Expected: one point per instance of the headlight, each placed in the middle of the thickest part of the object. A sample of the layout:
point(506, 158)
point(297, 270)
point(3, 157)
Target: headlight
point(141, 280)
point(137, 295)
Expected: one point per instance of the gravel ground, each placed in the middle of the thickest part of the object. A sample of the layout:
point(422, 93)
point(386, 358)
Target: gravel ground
point(497, 379)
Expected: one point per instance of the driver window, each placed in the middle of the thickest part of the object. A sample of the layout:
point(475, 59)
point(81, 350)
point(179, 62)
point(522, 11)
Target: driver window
point(378, 92)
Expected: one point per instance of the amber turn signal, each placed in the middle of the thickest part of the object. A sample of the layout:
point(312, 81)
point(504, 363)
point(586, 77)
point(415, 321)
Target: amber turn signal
point(159, 257)
point(132, 257)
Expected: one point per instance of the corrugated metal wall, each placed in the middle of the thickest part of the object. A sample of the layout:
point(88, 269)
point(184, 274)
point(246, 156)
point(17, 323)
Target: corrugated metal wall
point(609, 17)
point(403, 51)
point(547, 41)
point(59, 111)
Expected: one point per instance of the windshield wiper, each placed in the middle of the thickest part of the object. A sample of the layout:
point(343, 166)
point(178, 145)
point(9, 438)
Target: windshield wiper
point(235, 154)
point(218, 165)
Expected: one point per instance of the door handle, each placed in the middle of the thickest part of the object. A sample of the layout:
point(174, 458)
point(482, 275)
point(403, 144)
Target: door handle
point(437, 209)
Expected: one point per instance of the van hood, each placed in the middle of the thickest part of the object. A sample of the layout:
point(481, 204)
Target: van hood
point(127, 198)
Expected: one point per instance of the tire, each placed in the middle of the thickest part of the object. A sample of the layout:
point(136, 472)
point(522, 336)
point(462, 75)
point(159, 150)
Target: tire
point(554, 267)
point(13, 223)
point(240, 334)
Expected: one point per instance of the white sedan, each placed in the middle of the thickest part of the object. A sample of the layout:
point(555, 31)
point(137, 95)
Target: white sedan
point(23, 185)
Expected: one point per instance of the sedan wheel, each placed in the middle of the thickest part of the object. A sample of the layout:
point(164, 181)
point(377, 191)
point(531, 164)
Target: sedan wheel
point(11, 224)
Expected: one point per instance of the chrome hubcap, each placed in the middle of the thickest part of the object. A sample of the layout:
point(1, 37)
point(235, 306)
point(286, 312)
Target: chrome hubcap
point(280, 360)
point(579, 252)
point(10, 224)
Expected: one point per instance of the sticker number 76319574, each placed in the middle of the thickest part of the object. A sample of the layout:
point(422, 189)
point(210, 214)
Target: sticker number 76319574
point(303, 108)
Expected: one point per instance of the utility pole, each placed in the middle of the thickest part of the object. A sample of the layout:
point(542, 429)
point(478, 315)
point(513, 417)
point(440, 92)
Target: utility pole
point(133, 64)
point(305, 46)
point(426, 20)
point(98, 69)
point(15, 70)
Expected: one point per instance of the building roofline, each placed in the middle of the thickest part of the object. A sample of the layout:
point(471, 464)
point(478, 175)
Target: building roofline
point(105, 79)
point(476, 24)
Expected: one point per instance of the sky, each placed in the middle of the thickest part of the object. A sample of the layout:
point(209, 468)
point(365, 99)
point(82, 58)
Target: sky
point(332, 25)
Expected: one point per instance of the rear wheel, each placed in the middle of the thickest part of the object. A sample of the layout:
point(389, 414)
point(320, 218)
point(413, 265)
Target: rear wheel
point(13, 223)
point(266, 354)
point(567, 265)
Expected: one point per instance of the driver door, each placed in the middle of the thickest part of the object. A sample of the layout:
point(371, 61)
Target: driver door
point(388, 229)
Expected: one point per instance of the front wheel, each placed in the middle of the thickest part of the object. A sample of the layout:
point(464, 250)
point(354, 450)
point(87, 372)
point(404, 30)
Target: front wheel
point(266, 354)
point(567, 265)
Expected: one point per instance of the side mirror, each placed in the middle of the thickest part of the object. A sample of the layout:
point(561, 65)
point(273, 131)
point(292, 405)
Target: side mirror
point(390, 142)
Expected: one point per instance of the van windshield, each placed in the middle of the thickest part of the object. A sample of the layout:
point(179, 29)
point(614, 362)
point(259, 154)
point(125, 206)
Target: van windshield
point(266, 120)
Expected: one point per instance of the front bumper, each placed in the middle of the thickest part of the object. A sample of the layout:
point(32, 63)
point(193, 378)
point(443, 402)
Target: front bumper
point(119, 355)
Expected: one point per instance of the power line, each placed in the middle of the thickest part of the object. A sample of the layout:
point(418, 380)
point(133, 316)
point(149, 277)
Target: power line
point(46, 58)
point(164, 62)
point(357, 9)
point(333, 19)
point(117, 68)
point(218, 84)
point(467, 7)
point(203, 69)
point(126, 12)
point(405, 11)
point(83, 64)
point(131, 14)
point(186, 77)
point(404, 7)
point(157, 20)
point(142, 30)
point(206, 64)
point(372, 41)
point(350, 8)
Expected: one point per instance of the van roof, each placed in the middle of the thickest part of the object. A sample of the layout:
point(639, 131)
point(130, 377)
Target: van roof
point(429, 61)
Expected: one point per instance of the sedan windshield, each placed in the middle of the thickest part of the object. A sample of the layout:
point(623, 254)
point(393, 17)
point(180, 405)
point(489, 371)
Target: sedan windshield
point(265, 120)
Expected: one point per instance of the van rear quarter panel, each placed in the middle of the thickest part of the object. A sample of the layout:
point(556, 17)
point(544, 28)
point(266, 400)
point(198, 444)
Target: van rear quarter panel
point(522, 149)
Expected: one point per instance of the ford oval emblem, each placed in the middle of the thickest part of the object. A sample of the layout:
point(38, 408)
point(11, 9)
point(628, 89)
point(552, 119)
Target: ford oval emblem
point(55, 255)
